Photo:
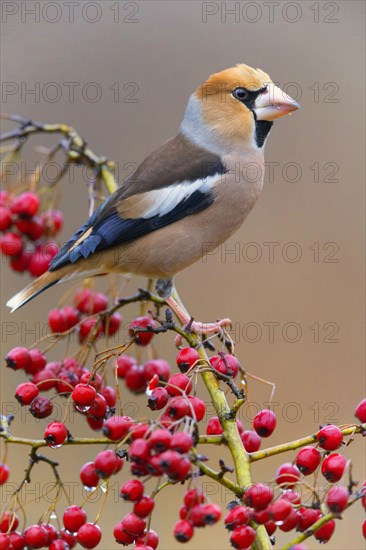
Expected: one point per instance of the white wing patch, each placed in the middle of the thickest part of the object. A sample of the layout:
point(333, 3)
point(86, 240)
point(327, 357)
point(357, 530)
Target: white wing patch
point(162, 201)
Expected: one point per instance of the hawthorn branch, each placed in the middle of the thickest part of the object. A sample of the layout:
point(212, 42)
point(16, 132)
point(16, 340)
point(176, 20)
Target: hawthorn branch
point(72, 143)
point(238, 453)
point(298, 443)
point(318, 524)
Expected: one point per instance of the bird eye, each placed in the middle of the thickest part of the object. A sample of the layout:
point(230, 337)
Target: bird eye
point(240, 93)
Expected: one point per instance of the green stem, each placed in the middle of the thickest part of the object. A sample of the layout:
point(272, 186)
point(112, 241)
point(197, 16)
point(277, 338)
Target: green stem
point(322, 521)
point(231, 433)
point(297, 443)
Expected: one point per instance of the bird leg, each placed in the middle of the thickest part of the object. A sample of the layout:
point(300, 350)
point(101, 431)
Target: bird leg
point(165, 289)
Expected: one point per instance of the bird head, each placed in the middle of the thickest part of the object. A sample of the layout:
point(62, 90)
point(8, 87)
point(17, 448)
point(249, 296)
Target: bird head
point(236, 107)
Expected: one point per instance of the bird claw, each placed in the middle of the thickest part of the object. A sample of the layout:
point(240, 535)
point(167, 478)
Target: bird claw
point(203, 328)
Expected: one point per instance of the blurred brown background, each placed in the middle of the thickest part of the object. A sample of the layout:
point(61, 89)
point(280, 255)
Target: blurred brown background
point(292, 279)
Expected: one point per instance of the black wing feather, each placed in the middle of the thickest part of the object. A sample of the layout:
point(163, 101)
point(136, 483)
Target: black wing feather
point(110, 230)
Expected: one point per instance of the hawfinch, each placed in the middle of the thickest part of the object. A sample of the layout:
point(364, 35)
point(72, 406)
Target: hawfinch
point(187, 197)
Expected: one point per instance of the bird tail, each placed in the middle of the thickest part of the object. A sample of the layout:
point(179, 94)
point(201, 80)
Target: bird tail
point(43, 282)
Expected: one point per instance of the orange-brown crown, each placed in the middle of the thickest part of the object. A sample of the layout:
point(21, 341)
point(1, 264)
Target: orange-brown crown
point(228, 116)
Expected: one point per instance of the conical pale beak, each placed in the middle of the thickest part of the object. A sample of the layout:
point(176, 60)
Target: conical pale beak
point(274, 103)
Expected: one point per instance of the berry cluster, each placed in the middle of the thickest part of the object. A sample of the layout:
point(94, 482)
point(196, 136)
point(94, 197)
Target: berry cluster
point(83, 314)
point(22, 223)
point(164, 448)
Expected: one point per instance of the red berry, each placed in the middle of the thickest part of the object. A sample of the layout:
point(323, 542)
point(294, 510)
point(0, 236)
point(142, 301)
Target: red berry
point(178, 408)
point(135, 379)
point(261, 516)
point(26, 392)
point(159, 367)
point(5, 198)
point(142, 338)
point(360, 411)
point(53, 222)
point(158, 398)
point(271, 528)
point(132, 490)
point(11, 244)
point(89, 535)
point(73, 518)
point(237, 516)
point(160, 440)
point(214, 427)
point(61, 320)
point(279, 510)
point(90, 329)
point(88, 475)
point(17, 541)
point(139, 430)
point(69, 538)
point(124, 363)
point(38, 361)
point(181, 442)
point(112, 323)
point(307, 460)
point(225, 364)
point(93, 379)
point(333, 467)
point(196, 516)
point(292, 497)
point(337, 499)
point(51, 532)
point(58, 544)
point(242, 537)
point(18, 358)
point(139, 450)
point(55, 434)
point(107, 463)
point(258, 496)
point(4, 473)
point(116, 427)
point(186, 358)
point(121, 536)
point(330, 437)
point(150, 538)
point(20, 263)
point(193, 497)
point(26, 204)
point(9, 521)
point(39, 263)
point(179, 384)
point(287, 475)
point(41, 407)
point(324, 533)
point(5, 219)
point(35, 536)
point(265, 422)
point(290, 522)
point(308, 516)
point(82, 299)
point(183, 531)
point(211, 513)
point(66, 381)
point(83, 396)
point(251, 441)
point(364, 528)
point(110, 395)
point(133, 524)
point(33, 228)
point(144, 507)
point(197, 408)
point(90, 302)
point(44, 379)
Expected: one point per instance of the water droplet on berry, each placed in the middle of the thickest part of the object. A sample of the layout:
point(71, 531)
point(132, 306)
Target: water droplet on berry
point(82, 409)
